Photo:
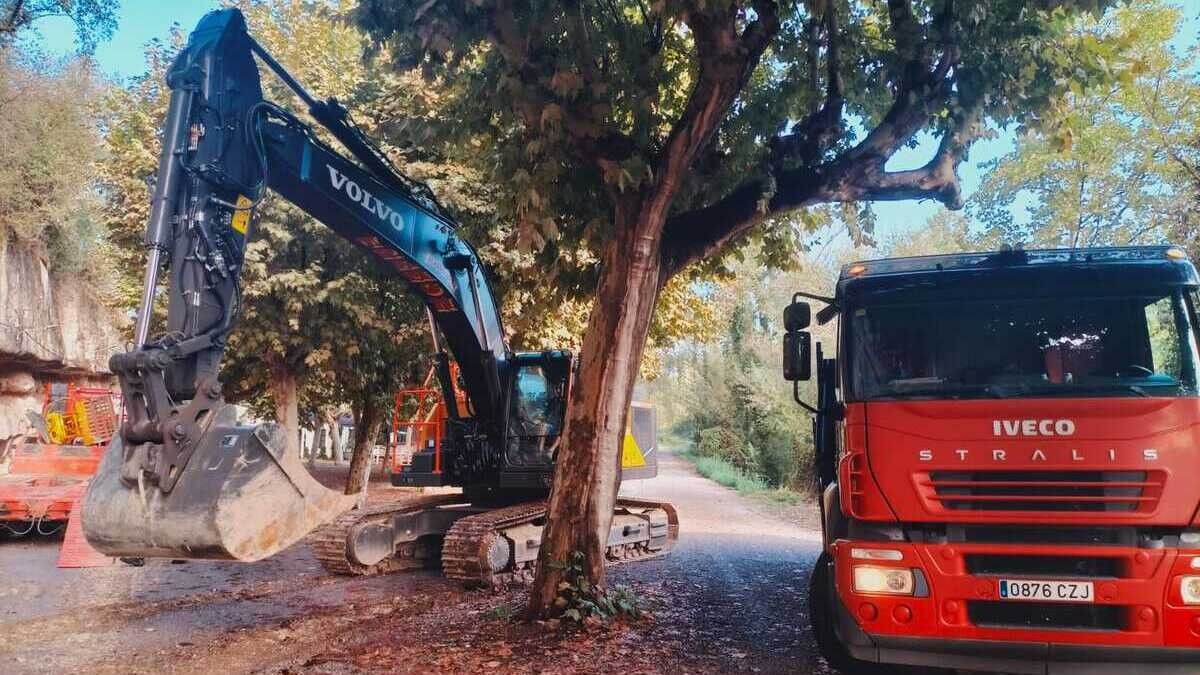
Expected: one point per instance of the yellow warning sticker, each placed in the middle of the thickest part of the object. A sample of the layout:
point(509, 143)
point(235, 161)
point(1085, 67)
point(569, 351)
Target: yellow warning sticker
point(241, 217)
point(631, 454)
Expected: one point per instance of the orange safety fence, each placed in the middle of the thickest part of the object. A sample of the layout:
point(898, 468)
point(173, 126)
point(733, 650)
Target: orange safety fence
point(424, 427)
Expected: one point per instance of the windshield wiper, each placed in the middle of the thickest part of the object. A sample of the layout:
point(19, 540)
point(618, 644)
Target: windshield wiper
point(944, 392)
point(1006, 391)
point(1137, 389)
point(1133, 388)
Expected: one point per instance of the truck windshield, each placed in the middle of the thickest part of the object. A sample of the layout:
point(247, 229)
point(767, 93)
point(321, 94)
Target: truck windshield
point(1134, 345)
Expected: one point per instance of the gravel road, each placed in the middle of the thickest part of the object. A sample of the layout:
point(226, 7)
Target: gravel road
point(730, 598)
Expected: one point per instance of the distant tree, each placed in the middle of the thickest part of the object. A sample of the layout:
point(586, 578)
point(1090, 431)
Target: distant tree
point(48, 152)
point(131, 117)
point(1120, 166)
point(95, 20)
point(385, 341)
point(945, 232)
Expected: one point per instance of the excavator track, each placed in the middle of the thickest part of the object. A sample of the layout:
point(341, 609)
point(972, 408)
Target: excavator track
point(470, 550)
point(331, 543)
point(474, 550)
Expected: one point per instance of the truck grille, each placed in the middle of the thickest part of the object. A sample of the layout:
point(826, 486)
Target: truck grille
point(1042, 615)
point(1089, 567)
point(1074, 491)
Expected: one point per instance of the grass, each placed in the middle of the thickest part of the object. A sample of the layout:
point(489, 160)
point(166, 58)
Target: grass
point(781, 496)
point(723, 473)
point(505, 611)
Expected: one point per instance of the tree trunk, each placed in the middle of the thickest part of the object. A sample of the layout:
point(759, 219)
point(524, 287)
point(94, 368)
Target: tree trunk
point(284, 387)
point(335, 436)
point(588, 469)
point(367, 422)
point(318, 443)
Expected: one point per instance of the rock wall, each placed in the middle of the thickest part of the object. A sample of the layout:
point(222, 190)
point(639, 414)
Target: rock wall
point(53, 328)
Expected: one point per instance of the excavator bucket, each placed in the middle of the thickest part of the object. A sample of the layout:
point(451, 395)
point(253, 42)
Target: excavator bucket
point(240, 496)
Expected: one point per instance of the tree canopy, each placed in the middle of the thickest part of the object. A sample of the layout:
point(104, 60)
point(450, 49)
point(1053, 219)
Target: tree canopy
point(634, 141)
point(94, 20)
point(48, 159)
point(573, 103)
point(1119, 165)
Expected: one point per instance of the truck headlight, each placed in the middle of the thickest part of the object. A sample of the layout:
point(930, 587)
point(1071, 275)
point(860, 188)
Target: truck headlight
point(1189, 588)
point(895, 581)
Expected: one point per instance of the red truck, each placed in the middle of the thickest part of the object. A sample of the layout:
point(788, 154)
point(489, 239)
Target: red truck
point(1008, 450)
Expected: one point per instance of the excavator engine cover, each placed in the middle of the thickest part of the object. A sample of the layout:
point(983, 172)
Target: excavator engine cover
point(241, 496)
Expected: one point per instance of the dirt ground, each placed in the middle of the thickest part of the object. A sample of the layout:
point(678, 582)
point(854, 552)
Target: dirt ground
point(730, 598)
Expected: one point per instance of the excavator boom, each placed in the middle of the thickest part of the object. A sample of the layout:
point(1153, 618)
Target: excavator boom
point(184, 479)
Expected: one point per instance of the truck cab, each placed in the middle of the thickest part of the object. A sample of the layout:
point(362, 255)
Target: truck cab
point(1006, 455)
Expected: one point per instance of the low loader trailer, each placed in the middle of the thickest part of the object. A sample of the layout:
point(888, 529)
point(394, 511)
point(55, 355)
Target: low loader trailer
point(1008, 446)
point(44, 473)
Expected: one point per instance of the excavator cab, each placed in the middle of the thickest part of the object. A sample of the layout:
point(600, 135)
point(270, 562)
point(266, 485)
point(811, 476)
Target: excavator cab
point(528, 433)
point(537, 410)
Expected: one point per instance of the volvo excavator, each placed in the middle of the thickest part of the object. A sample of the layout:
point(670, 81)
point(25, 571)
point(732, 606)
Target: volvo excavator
point(184, 480)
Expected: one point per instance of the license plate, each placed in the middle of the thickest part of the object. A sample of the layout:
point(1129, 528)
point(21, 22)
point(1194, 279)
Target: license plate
point(1046, 589)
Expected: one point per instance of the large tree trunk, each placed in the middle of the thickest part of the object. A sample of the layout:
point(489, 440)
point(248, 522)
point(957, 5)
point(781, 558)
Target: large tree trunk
point(285, 387)
point(588, 470)
point(588, 467)
point(367, 423)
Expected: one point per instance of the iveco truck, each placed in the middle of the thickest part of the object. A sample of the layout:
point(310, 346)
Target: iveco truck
point(1008, 452)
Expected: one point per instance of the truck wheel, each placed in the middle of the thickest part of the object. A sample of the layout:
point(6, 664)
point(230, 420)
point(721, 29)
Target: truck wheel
point(822, 618)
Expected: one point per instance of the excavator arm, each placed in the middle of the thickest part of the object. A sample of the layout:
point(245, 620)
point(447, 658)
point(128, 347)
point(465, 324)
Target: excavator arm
point(183, 479)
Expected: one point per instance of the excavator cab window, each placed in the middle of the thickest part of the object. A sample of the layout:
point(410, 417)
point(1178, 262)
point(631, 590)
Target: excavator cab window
point(535, 416)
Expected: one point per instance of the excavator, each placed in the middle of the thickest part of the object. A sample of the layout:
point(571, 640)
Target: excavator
point(184, 480)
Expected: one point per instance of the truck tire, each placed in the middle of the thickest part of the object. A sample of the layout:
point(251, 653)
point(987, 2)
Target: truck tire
point(822, 618)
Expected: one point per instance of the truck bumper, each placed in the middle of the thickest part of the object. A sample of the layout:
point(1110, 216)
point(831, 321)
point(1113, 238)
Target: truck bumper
point(1034, 658)
point(1153, 631)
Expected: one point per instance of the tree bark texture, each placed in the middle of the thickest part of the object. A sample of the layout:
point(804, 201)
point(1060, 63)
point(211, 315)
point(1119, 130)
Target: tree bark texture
point(367, 423)
point(284, 387)
point(589, 464)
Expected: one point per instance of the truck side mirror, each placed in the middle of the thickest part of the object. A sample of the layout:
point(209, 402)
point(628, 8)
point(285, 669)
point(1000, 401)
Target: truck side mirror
point(797, 355)
point(796, 316)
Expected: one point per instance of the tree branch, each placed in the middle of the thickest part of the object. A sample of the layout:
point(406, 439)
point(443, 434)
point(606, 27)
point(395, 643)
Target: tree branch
point(858, 173)
point(698, 234)
point(937, 179)
point(906, 31)
point(812, 137)
point(11, 24)
point(921, 84)
point(725, 63)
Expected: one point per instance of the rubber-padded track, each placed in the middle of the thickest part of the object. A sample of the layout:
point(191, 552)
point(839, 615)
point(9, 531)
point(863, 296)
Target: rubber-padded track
point(330, 543)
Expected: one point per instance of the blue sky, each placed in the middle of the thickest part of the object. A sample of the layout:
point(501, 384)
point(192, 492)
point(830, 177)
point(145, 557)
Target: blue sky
point(143, 20)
